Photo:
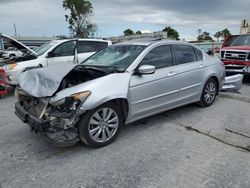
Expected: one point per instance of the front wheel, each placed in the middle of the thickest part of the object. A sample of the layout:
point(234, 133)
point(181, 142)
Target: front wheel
point(209, 93)
point(100, 127)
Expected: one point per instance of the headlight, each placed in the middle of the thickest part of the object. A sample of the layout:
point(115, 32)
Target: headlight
point(82, 96)
point(73, 102)
point(76, 99)
point(11, 66)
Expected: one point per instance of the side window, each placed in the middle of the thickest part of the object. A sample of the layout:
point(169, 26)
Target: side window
point(91, 46)
point(184, 54)
point(159, 57)
point(86, 46)
point(199, 54)
point(101, 45)
point(65, 49)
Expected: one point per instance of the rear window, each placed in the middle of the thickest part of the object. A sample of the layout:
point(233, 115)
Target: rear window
point(184, 54)
point(90, 46)
point(198, 54)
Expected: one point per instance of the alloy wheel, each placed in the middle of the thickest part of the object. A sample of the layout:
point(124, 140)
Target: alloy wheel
point(103, 125)
point(210, 92)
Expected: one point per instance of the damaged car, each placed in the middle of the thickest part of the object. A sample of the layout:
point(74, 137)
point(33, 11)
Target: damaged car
point(123, 83)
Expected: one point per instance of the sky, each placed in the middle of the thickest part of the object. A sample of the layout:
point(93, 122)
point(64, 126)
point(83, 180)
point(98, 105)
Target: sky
point(112, 17)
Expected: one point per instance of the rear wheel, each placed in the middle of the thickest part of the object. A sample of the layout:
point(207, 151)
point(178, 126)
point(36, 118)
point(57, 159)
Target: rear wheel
point(100, 127)
point(209, 93)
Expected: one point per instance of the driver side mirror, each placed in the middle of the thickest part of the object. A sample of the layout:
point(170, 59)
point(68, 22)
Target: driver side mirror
point(145, 69)
point(50, 54)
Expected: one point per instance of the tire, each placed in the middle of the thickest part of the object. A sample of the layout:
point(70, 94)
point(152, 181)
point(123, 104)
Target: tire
point(103, 132)
point(209, 93)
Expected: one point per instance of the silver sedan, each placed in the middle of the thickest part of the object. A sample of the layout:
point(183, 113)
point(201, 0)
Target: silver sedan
point(121, 84)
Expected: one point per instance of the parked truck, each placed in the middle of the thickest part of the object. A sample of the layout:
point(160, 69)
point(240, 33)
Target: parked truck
point(235, 54)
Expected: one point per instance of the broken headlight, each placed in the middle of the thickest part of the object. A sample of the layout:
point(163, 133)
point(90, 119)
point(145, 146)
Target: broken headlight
point(73, 102)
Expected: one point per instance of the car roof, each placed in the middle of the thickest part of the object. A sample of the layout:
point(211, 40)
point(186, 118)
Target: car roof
point(81, 39)
point(150, 41)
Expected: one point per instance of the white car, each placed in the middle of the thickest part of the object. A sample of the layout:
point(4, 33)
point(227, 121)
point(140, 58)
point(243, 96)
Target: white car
point(11, 52)
point(57, 52)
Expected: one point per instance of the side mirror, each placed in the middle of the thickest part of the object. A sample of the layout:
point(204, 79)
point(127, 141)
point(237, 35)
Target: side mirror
point(50, 54)
point(146, 69)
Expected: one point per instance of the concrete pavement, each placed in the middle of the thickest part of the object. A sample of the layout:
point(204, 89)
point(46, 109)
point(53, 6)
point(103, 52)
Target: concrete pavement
point(185, 147)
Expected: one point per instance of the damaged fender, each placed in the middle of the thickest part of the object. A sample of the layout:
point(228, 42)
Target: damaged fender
point(102, 90)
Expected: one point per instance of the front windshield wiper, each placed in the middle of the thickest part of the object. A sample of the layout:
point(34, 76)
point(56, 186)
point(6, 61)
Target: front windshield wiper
point(116, 69)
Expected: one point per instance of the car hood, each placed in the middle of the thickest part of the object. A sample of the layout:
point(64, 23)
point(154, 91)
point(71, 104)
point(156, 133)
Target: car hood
point(17, 44)
point(237, 48)
point(43, 82)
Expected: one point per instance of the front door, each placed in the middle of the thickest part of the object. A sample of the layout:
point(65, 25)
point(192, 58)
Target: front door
point(154, 92)
point(64, 53)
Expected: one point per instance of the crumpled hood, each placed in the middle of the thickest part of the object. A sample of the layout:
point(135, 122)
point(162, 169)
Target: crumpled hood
point(43, 82)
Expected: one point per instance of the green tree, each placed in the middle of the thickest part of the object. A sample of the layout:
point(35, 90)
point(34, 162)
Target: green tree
point(205, 36)
point(225, 32)
point(172, 33)
point(138, 33)
point(218, 34)
point(79, 17)
point(62, 36)
point(128, 32)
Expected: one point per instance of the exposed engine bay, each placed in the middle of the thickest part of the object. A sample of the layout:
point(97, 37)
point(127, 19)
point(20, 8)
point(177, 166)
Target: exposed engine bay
point(81, 74)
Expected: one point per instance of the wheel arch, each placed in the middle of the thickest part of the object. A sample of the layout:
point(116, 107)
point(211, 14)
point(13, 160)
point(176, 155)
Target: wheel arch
point(122, 103)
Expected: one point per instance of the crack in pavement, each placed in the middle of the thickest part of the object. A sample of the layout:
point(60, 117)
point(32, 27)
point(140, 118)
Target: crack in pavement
point(231, 131)
point(206, 134)
point(239, 98)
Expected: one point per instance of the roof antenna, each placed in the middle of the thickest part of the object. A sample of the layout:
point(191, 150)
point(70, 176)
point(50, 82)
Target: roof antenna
point(15, 29)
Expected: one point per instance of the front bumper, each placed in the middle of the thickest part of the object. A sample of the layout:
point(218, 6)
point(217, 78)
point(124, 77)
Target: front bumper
point(35, 123)
point(57, 136)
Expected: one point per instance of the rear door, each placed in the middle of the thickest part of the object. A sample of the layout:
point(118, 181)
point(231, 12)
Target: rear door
point(191, 69)
point(64, 53)
point(87, 48)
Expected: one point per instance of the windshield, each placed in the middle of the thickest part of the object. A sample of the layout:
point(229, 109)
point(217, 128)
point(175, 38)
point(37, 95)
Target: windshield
point(117, 56)
point(243, 40)
point(42, 49)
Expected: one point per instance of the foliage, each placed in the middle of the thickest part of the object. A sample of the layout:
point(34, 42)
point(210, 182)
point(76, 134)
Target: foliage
point(205, 36)
point(128, 32)
point(62, 37)
point(138, 32)
point(172, 33)
point(78, 18)
point(222, 33)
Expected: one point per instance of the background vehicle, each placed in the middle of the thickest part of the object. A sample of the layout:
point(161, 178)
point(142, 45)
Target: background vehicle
point(56, 53)
point(120, 84)
point(11, 52)
point(235, 54)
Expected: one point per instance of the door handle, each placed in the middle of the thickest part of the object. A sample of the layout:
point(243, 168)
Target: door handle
point(171, 73)
point(202, 65)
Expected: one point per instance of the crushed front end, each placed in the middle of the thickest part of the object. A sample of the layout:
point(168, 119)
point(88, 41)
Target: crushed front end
point(57, 122)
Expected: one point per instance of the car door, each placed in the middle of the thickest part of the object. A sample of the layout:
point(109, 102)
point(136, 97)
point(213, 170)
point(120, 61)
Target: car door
point(64, 53)
point(191, 69)
point(154, 92)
